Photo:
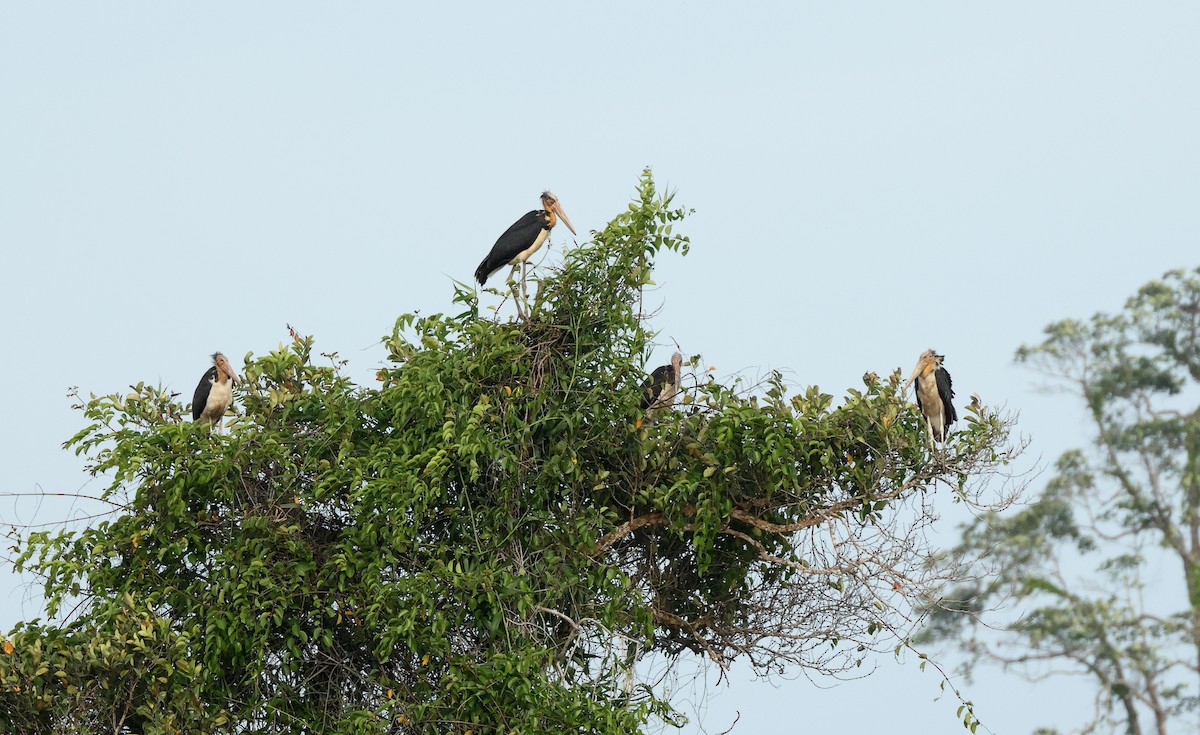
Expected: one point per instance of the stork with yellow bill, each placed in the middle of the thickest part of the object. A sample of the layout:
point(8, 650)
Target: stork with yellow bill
point(934, 393)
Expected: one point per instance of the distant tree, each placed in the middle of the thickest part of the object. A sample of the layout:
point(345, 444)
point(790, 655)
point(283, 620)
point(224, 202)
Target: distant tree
point(488, 540)
point(1127, 508)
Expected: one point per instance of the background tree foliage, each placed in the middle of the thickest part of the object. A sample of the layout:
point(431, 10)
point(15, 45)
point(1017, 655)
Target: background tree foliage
point(487, 540)
point(1129, 507)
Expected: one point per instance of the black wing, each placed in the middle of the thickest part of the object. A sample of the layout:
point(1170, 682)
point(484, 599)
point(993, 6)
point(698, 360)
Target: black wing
point(515, 239)
point(202, 391)
point(652, 387)
point(946, 393)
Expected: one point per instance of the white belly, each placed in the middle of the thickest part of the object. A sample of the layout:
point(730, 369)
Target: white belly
point(664, 401)
point(218, 401)
point(529, 251)
point(931, 404)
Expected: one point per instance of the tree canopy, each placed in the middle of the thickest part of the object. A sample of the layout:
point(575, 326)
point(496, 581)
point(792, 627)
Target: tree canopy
point(1121, 508)
point(487, 539)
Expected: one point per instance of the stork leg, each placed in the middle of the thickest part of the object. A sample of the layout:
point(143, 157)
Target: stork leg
point(938, 447)
point(512, 284)
point(524, 298)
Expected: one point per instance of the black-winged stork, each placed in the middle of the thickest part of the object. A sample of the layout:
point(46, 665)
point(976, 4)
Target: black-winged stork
point(522, 240)
point(934, 394)
point(660, 389)
point(215, 392)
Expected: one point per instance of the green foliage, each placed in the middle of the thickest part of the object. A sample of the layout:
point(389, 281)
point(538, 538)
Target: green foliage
point(134, 672)
point(1122, 506)
point(487, 540)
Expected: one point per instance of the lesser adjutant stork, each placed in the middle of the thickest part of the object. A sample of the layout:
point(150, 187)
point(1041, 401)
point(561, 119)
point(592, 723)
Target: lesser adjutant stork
point(934, 394)
point(660, 389)
point(522, 240)
point(215, 392)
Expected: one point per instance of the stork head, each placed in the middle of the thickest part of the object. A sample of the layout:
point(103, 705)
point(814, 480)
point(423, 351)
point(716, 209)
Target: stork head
point(677, 365)
point(926, 364)
point(550, 202)
point(222, 364)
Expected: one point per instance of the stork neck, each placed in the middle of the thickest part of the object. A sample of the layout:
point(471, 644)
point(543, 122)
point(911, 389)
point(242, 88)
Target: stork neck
point(222, 376)
point(551, 218)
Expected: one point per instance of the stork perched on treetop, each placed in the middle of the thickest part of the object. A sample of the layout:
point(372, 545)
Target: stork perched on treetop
point(660, 389)
point(214, 394)
point(522, 240)
point(934, 394)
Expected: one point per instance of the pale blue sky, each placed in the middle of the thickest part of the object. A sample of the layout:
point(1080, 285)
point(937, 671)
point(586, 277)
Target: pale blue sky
point(870, 179)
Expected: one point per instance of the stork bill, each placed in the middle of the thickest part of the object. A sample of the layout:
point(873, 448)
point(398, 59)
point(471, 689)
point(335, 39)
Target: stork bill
point(934, 393)
point(214, 394)
point(524, 238)
point(660, 389)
